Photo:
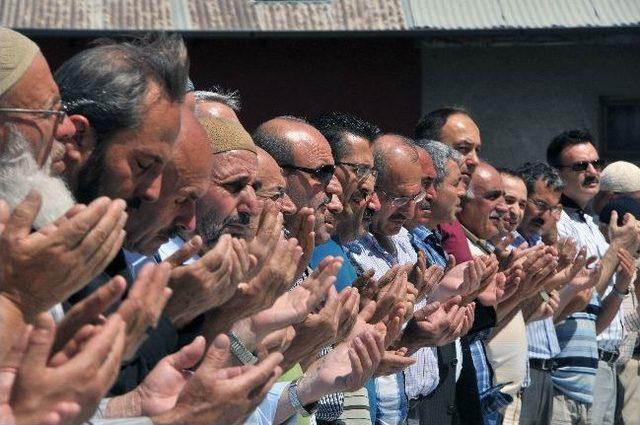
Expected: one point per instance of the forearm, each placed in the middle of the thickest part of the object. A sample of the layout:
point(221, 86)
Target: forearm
point(608, 310)
point(567, 295)
point(216, 322)
point(530, 306)
point(505, 310)
point(609, 265)
point(124, 406)
point(12, 324)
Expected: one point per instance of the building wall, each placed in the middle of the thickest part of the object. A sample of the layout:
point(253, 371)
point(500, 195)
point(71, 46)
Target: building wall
point(376, 78)
point(523, 96)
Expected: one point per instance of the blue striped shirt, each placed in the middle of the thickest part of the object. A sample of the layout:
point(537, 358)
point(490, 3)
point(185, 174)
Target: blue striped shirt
point(578, 358)
point(389, 402)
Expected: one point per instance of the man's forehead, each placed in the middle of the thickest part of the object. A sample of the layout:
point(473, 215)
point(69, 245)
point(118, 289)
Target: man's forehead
point(426, 163)
point(359, 150)
point(234, 163)
point(36, 88)
point(544, 191)
point(513, 186)
point(580, 152)
point(311, 150)
point(461, 128)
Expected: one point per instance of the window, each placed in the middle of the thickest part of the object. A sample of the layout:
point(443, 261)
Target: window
point(620, 128)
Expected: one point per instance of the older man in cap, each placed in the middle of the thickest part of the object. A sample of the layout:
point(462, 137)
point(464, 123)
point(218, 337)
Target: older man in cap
point(617, 179)
point(31, 119)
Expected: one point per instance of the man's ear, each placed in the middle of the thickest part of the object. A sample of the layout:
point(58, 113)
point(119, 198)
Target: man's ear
point(81, 144)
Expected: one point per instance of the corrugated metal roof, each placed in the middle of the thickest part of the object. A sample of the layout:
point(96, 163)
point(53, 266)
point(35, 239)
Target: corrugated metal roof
point(204, 15)
point(522, 14)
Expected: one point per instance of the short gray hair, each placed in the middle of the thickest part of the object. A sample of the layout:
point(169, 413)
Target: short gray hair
point(228, 97)
point(440, 155)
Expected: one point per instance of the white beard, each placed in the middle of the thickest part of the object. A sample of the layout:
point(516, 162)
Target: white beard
point(19, 173)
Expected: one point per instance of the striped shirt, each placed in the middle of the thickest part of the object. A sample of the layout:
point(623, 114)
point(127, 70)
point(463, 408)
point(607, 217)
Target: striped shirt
point(578, 358)
point(390, 399)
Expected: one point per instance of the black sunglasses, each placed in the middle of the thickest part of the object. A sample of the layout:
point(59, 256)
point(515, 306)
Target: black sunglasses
point(598, 164)
point(322, 174)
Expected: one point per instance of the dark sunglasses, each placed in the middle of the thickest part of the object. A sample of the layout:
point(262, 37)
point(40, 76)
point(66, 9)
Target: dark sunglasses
point(322, 174)
point(598, 164)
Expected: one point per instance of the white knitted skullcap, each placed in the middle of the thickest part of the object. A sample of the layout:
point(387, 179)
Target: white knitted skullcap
point(620, 177)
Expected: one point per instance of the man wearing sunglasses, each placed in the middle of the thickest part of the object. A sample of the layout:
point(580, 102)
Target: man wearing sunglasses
point(387, 244)
point(585, 379)
point(305, 158)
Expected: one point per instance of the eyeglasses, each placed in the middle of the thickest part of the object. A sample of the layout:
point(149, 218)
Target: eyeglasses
point(322, 174)
point(542, 206)
point(60, 114)
point(274, 195)
point(401, 201)
point(361, 170)
point(598, 164)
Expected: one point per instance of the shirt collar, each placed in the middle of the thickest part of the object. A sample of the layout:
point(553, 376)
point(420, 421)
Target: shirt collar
point(570, 206)
point(480, 243)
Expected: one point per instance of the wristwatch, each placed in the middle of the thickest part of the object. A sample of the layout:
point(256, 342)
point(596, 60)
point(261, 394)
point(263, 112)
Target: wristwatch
point(240, 351)
point(622, 295)
point(304, 411)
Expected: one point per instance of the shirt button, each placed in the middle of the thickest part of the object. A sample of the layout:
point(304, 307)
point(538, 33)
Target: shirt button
point(450, 409)
point(454, 362)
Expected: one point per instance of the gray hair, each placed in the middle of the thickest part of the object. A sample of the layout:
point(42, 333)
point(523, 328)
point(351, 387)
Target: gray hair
point(440, 154)
point(108, 83)
point(228, 97)
point(532, 172)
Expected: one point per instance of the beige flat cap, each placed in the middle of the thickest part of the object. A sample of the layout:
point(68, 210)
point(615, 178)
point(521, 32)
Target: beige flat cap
point(620, 177)
point(16, 54)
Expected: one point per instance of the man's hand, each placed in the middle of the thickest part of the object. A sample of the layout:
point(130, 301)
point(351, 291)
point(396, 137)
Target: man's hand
point(9, 367)
point(346, 368)
point(161, 388)
point(82, 379)
point(88, 311)
point(218, 395)
point(547, 308)
point(463, 279)
point(143, 306)
point(60, 258)
point(275, 277)
point(267, 236)
point(626, 236)
point(316, 331)
point(293, 306)
point(394, 361)
point(302, 230)
point(204, 284)
point(425, 279)
point(435, 325)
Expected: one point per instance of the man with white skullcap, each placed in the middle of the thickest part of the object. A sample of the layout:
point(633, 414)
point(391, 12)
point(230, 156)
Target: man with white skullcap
point(30, 100)
point(619, 178)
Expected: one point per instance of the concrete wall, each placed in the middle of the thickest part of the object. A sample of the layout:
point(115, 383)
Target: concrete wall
point(523, 96)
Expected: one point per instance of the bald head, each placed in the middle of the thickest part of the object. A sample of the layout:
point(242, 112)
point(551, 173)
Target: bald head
point(390, 151)
point(398, 185)
point(305, 157)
